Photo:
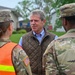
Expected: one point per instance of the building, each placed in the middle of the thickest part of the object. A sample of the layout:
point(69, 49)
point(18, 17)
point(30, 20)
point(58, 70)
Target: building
point(14, 15)
point(53, 20)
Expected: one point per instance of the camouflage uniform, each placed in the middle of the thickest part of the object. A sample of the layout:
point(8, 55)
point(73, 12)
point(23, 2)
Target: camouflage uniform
point(18, 58)
point(59, 57)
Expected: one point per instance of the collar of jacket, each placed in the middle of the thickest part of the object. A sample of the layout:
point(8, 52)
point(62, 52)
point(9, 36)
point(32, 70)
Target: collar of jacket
point(46, 33)
point(71, 31)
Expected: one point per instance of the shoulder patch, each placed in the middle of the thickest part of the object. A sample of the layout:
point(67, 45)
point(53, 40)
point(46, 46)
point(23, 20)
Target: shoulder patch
point(26, 61)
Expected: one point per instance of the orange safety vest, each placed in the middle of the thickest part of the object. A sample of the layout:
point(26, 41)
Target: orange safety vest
point(6, 66)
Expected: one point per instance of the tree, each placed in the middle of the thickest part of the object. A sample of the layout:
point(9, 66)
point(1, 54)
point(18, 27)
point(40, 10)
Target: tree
point(45, 5)
point(26, 6)
point(55, 5)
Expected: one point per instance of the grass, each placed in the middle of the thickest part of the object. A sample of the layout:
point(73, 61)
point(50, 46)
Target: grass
point(16, 37)
point(59, 33)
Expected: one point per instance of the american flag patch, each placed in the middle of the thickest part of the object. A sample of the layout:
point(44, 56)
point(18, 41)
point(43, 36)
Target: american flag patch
point(26, 61)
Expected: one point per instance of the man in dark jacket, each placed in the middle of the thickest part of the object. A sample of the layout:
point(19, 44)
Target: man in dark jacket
point(36, 41)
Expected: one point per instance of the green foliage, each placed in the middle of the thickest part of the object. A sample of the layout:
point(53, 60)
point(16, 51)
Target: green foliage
point(59, 33)
point(15, 32)
point(46, 6)
point(26, 6)
point(58, 24)
point(22, 31)
point(58, 3)
point(15, 37)
point(19, 31)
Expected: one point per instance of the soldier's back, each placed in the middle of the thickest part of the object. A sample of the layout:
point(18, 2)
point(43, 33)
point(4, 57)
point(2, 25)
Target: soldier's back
point(61, 56)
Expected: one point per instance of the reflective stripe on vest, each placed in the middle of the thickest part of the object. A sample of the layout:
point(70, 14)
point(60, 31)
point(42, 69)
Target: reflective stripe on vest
point(6, 66)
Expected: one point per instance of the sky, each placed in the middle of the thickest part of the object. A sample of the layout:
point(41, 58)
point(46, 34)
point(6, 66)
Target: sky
point(9, 3)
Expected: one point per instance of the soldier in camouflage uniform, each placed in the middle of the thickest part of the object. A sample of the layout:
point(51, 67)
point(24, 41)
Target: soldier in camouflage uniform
point(19, 58)
point(59, 57)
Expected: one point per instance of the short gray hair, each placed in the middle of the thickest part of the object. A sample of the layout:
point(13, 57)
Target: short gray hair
point(38, 12)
